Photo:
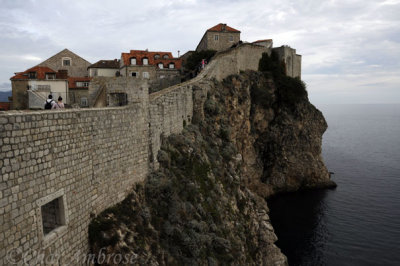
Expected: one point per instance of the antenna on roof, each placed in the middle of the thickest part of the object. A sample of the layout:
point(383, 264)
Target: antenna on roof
point(178, 52)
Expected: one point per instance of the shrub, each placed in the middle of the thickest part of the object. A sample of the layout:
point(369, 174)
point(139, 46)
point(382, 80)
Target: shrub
point(194, 60)
point(291, 90)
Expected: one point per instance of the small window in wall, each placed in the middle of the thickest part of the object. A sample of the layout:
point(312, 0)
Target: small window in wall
point(165, 56)
point(160, 65)
point(157, 56)
point(52, 215)
point(50, 76)
point(146, 75)
point(171, 66)
point(66, 61)
point(133, 61)
point(134, 74)
point(216, 37)
point(32, 75)
point(145, 61)
point(84, 102)
point(231, 38)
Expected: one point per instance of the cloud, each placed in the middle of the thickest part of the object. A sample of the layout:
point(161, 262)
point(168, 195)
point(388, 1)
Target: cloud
point(338, 40)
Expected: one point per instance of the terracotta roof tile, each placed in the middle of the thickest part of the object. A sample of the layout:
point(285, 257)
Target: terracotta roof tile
point(40, 73)
point(223, 27)
point(139, 55)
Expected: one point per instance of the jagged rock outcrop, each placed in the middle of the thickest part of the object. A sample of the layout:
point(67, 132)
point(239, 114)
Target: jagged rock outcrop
point(250, 138)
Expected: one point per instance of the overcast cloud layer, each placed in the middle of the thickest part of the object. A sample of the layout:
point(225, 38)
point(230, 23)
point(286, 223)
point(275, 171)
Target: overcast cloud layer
point(350, 49)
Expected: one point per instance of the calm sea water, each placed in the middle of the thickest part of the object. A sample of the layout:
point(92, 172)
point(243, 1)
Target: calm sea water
point(358, 223)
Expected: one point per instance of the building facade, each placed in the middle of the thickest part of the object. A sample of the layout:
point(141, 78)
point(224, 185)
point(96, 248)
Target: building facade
point(67, 60)
point(31, 87)
point(219, 38)
point(104, 68)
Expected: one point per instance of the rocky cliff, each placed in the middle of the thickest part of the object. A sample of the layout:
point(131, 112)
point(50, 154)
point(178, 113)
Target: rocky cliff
point(251, 137)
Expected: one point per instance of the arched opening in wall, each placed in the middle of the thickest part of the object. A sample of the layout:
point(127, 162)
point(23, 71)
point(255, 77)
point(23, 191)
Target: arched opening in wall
point(160, 65)
point(145, 61)
point(133, 61)
point(157, 56)
point(165, 56)
point(171, 65)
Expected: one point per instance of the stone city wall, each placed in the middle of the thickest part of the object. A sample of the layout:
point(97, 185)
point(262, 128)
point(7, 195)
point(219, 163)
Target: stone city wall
point(87, 159)
point(169, 110)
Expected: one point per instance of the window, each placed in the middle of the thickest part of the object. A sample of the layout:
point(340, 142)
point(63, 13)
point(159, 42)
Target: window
point(216, 37)
point(52, 217)
point(82, 84)
point(133, 61)
point(50, 76)
point(146, 75)
point(84, 102)
point(145, 61)
point(133, 74)
point(231, 38)
point(157, 56)
point(171, 66)
point(160, 65)
point(39, 87)
point(66, 61)
point(165, 56)
point(32, 75)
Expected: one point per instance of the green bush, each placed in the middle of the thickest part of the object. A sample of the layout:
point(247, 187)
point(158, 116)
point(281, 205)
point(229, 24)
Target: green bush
point(195, 58)
point(289, 90)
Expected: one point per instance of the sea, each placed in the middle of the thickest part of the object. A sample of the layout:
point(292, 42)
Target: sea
point(358, 223)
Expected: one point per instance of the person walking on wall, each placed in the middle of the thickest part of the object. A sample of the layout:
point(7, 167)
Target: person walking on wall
point(49, 102)
point(59, 104)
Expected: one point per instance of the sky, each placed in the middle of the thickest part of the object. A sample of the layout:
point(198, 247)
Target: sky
point(350, 49)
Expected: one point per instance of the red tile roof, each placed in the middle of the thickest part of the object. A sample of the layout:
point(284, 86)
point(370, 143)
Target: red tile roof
point(139, 55)
point(223, 27)
point(40, 73)
point(4, 106)
point(73, 80)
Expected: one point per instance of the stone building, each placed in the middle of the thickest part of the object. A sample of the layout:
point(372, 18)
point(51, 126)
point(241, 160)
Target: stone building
point(104, 68)
point(78, 89)
point(219, 38)
point(292, 60)
point(31, 87)
point(67, 60)
point(53, 76)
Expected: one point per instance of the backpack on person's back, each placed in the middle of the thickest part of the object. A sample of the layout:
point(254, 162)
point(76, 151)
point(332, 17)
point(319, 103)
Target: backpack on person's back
point(49, 102)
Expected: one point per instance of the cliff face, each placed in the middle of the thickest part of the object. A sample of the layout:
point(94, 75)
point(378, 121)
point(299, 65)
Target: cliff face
point(279, 136)
point(206, 204)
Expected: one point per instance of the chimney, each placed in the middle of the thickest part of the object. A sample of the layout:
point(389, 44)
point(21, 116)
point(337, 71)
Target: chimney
point(223, 27)
point(62, 74)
